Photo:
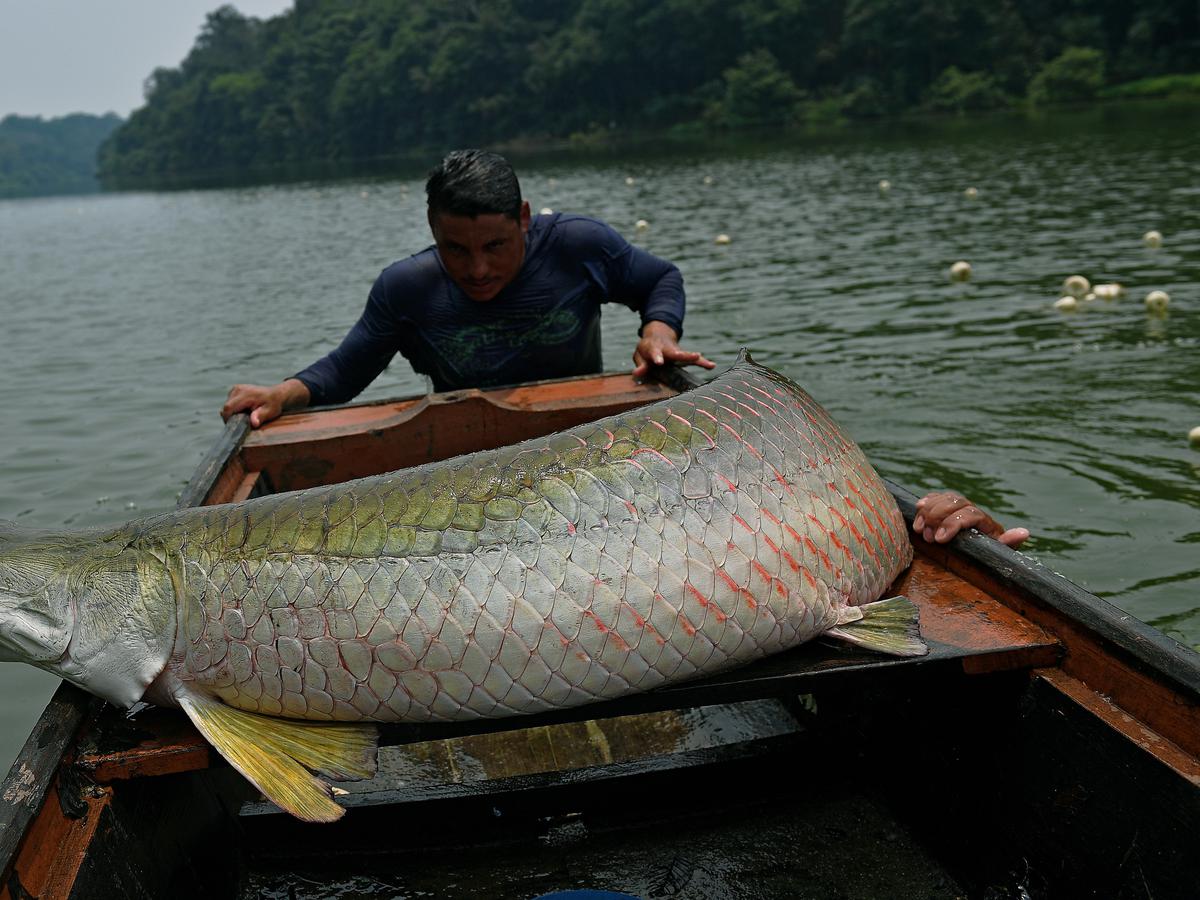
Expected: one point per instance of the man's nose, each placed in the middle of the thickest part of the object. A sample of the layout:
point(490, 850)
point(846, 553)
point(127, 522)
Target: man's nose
point(479, 265)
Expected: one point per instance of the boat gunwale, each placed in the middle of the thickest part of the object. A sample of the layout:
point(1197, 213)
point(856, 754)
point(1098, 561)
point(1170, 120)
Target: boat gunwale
point(1153, 651)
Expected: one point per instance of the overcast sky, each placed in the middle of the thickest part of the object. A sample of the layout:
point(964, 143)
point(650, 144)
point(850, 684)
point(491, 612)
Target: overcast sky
point(65, 56)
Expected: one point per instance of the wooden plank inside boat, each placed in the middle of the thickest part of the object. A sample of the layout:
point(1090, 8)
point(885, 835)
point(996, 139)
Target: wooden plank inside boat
point(315, 447)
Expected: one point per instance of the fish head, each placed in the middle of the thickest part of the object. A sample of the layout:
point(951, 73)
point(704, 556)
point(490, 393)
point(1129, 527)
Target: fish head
point(94, 607)
point(36, 613)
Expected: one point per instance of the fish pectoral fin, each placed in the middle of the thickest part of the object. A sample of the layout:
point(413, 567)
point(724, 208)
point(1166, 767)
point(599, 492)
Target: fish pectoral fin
point(277, 754)
point(889, 626)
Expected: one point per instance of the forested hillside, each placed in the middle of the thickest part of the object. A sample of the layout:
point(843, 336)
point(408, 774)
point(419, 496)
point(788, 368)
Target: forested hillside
point(55, 156)
point(358, 79)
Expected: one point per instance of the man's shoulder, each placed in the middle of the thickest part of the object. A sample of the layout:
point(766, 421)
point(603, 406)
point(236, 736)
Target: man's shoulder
point(410, 281)
point(568, 234)
point(419, 267)
point(571, 233)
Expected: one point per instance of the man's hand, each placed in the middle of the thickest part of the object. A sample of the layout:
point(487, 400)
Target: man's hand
point(265, 403)
point(943, 514)
point(660, 345)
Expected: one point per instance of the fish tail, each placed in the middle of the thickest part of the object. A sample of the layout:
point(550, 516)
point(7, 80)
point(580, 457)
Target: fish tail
point(277, 754)
point(889, 626)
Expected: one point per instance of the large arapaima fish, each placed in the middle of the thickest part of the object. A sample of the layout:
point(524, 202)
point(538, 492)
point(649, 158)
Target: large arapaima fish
point(673, 541)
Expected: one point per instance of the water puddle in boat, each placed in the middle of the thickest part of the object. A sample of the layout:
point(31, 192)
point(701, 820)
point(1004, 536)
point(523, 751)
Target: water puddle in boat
point(715, 802)
point(574, 745)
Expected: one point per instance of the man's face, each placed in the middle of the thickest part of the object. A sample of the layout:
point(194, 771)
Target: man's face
point(482, 254)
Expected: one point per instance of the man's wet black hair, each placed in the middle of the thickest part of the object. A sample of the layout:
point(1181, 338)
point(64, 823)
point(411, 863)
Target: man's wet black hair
point(473, 183)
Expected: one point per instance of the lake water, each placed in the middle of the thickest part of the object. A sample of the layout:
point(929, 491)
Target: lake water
point(126, 317)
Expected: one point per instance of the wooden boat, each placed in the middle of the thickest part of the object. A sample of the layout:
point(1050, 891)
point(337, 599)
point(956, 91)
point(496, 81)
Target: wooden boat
point(1049, 745)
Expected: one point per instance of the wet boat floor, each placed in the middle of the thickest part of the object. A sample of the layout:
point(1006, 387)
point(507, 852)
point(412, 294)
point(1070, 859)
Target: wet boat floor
point(843, 846)
point(759, 815)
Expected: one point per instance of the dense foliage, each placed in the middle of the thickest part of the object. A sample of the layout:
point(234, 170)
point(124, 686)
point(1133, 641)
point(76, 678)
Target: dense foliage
point(1076, 74)
point(55, 156)
point(358, 79)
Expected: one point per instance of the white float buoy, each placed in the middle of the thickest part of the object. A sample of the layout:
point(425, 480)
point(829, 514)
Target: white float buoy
point(545, 211)
point(1152, 238)
point(960, 271)
point(708, 179)
point(1066, 303)
point(641, 224)
point(629, 180)
point(1194, 436)
point(971, 193)
point(722, 239)
point(885, 185)
point(1108, 291)
point(1076, 286)
point(1088, 298)
point(1157, 300)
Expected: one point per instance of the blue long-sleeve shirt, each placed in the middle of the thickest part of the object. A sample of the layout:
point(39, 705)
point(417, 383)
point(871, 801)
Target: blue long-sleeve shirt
point(543, 324)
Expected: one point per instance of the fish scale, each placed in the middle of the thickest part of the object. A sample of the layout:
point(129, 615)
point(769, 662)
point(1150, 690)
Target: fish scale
point(668, 542)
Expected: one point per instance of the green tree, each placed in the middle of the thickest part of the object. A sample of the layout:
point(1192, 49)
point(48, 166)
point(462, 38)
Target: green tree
point(1075, 74)
point(757, 92)
point(958, 91)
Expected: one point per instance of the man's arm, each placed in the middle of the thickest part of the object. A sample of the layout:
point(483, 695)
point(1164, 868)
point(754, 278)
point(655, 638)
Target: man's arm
point(943, 514)
point(654, 287)
point(337, 377)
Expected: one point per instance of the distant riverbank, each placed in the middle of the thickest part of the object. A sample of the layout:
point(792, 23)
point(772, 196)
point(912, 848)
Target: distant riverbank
point(58, 156)
point(697, 137)
point(43, 157)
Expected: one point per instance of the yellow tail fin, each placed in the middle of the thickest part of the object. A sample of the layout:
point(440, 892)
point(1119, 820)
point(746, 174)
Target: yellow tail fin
point(276, 754)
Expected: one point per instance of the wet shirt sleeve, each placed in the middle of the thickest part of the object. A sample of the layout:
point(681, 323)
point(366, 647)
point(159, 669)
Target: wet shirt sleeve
point(642, 281)
point(343, 373)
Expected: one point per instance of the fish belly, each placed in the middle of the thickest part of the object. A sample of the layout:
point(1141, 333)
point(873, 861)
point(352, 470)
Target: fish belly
point(667, 543)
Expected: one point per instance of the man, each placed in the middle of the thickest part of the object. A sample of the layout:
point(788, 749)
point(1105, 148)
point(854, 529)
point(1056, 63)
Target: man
point(501, 297)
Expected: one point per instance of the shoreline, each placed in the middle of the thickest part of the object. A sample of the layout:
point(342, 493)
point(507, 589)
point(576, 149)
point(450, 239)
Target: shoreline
point(694, 136)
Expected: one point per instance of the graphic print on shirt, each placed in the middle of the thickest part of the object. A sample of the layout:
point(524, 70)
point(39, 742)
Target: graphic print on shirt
point(473, 347)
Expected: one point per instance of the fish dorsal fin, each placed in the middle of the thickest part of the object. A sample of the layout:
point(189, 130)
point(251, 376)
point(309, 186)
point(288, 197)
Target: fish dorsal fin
point(277, 754)
point(888, 626)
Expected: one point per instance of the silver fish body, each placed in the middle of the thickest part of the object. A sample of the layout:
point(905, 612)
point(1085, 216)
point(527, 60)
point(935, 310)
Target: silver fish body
point(670, 542)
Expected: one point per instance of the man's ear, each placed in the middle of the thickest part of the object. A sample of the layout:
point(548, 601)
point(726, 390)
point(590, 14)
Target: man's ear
point(525, 216)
